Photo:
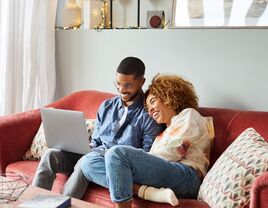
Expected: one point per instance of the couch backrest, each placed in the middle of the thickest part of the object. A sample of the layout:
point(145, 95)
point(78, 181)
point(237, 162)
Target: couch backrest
point(229, 124)
point(87, 101)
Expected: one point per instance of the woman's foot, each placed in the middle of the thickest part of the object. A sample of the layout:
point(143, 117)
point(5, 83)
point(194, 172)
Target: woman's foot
point(165, 195)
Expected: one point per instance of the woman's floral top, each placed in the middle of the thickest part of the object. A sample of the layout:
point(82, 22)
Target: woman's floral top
point(187, 140)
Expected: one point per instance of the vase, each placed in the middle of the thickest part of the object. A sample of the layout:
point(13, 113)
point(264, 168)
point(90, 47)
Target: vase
point(71, 15)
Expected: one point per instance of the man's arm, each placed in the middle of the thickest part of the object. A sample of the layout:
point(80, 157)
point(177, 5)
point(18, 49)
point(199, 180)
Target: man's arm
point(95, 137)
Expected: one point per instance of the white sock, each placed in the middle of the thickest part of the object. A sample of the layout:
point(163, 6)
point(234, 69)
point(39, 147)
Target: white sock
point(165, 195)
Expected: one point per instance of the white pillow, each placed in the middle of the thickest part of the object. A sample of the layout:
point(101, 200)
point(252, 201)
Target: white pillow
point(228, 182)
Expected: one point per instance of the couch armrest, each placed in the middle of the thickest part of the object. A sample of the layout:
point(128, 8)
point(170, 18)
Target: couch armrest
point(16, 134)
point(18, 130)
point(259, 192)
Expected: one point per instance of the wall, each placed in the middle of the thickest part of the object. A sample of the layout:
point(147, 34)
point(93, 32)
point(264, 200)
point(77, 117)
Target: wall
point(229, 67)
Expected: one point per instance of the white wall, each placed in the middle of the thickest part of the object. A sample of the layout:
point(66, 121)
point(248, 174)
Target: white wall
point(229, 67)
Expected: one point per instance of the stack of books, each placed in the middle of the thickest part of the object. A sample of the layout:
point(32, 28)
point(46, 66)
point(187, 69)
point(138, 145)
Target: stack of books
point(47, 201)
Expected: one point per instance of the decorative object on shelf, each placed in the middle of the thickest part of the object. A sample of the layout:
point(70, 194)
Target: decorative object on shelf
point(12, 186)
point(138, 15)
point(214, 14)
point(124, 14)
point(103, 13)
point(156, 19)
point(71, 15)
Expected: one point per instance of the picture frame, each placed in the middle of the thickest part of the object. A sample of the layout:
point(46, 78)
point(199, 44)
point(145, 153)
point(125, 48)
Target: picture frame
point(125, 14)
point(226, 13)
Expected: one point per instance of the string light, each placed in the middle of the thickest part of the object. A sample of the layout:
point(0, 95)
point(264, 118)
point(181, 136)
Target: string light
point(103, 14)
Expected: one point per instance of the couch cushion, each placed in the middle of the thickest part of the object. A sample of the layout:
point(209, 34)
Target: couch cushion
point(228, 182)
point(28, 169)
point(96, 194)
point(99, 195)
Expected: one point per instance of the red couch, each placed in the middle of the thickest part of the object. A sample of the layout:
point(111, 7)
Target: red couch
point(18, 130)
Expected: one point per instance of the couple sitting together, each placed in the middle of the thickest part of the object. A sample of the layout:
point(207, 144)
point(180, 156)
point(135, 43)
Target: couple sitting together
point(154, 144)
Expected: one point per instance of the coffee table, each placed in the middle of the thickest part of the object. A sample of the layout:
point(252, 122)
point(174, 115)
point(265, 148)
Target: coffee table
point(32, 191)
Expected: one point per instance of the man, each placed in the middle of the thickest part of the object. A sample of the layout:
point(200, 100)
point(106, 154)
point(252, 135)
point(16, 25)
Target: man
point(120, 120)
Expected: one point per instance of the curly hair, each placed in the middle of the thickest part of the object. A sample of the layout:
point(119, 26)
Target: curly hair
point(174, 91)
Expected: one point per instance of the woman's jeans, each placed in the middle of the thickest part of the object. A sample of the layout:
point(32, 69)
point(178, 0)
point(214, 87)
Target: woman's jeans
point(127, 165)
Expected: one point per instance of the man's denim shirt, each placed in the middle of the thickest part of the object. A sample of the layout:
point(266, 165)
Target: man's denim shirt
point(139, 129)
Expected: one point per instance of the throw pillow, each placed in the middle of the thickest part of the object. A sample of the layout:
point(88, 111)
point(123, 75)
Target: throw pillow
point(228, 182)
point(39, 145)
point(90, 127)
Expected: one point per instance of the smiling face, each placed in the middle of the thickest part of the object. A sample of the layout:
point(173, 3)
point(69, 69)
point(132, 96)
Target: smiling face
point(128, 87)
point(158, 111)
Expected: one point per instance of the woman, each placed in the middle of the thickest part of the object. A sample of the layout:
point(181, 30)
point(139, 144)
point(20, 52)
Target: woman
point(179, 157)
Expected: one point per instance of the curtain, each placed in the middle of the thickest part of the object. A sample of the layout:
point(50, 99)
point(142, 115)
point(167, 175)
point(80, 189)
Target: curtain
point(27, 54)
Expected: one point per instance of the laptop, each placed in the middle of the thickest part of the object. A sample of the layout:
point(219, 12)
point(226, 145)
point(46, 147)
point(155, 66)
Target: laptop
point(65, 130)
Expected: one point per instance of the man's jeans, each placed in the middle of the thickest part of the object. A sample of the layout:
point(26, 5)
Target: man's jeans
point(127, 165)
point(56, 161)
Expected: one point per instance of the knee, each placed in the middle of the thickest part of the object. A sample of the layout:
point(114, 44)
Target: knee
point(116, 155)
point(51, 154)
point(87, 165)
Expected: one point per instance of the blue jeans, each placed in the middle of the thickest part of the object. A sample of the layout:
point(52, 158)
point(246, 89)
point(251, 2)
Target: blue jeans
point(55, 161)
point(93, 168)
point(127, 165)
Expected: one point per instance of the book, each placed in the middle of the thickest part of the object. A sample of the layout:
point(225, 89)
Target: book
point(47, 201)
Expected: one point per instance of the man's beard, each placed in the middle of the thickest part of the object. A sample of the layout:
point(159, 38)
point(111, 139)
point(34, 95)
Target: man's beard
point(132, 98)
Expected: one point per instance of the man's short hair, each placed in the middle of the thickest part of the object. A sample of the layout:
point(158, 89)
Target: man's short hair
point(131, 66)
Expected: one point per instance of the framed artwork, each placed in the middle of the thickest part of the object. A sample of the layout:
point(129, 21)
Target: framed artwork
point(125, 14)
point(99, 14)
point(156, 7)
point(133, 14)
point(220, 13)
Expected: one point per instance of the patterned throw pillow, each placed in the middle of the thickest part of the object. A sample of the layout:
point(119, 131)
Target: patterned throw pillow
point(39, 145)
point(228, 182)
point(90, 127)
